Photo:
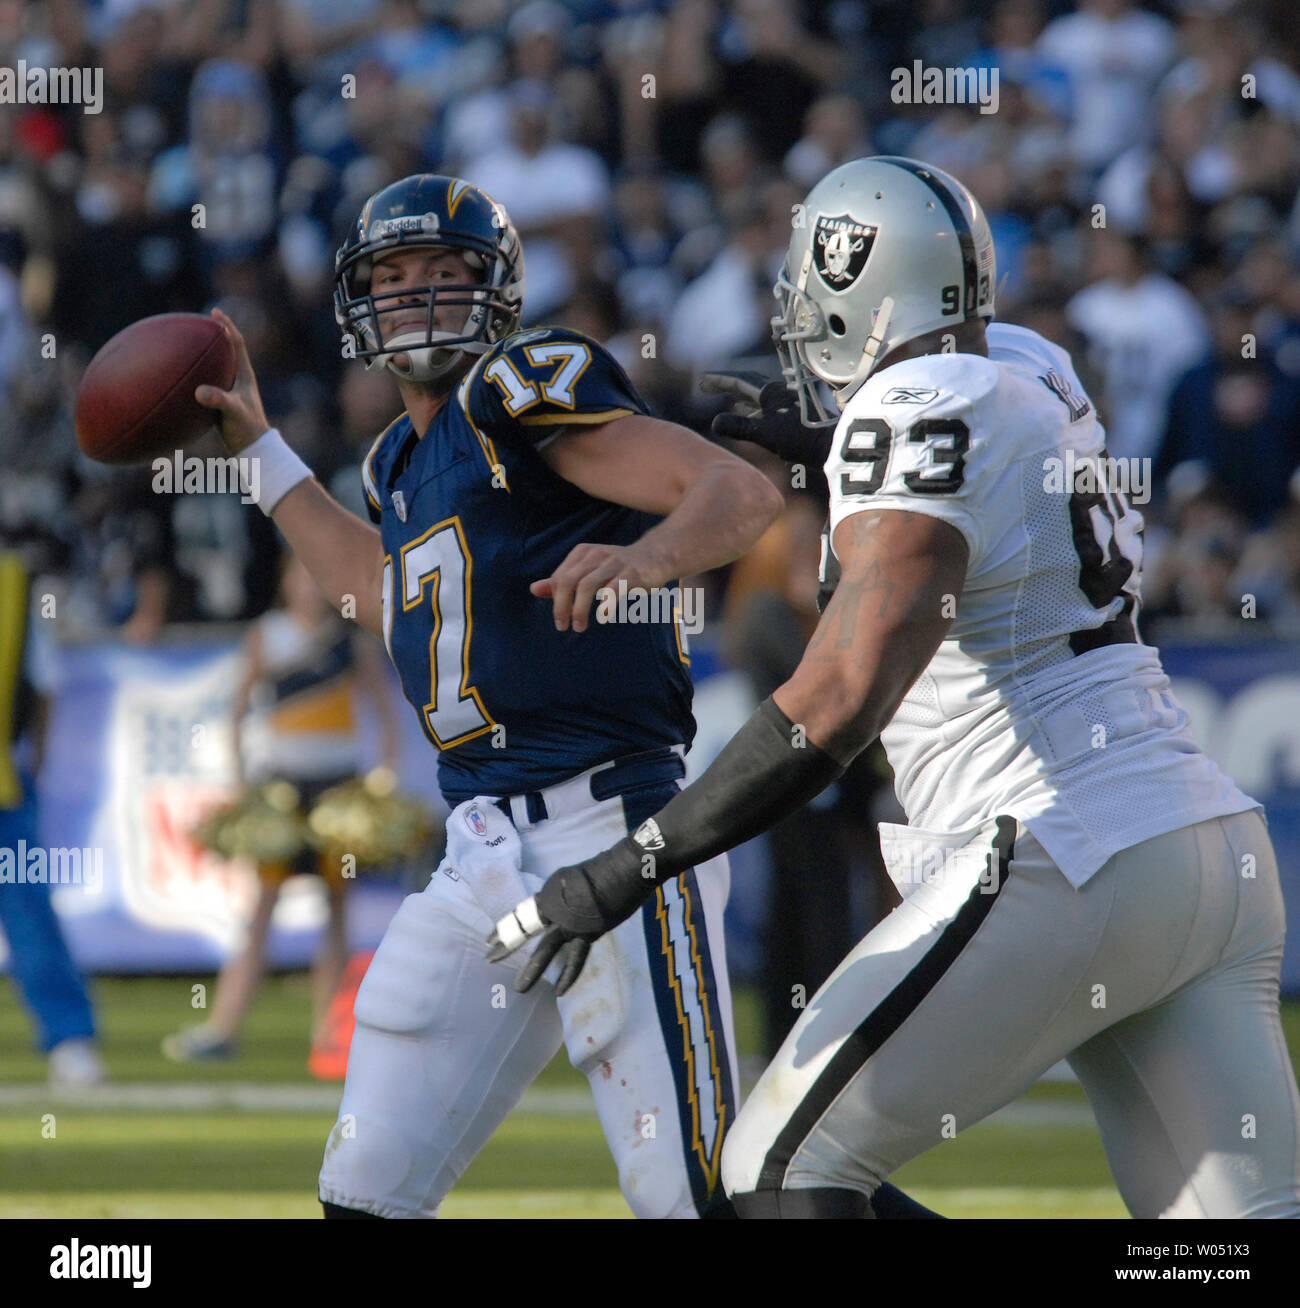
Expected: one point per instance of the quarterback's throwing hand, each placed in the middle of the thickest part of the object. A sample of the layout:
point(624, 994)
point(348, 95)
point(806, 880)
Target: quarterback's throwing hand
point(575, 907)
point(240, 414)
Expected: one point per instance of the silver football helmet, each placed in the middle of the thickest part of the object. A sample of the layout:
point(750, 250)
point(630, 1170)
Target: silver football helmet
point(884, 250)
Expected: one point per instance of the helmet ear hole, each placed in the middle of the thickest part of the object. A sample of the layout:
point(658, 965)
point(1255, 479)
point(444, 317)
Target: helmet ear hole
point(836, 324)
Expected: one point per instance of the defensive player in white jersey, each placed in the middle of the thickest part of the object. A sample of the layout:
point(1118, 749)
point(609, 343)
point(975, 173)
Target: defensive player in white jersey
point(1079, 880)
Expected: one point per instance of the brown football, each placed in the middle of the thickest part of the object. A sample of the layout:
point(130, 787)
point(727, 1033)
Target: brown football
point(136, 401)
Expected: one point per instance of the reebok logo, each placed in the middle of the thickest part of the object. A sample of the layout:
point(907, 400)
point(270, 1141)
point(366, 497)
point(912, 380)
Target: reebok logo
point(910, 395)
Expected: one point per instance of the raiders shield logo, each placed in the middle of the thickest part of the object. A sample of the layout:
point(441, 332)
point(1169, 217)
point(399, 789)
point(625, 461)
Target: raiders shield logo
point(841, 247)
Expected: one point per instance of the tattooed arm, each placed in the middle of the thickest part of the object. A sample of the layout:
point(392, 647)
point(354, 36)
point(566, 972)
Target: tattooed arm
point(901, 574)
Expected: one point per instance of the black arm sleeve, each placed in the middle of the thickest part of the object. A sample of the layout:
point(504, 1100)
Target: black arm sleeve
point(767, 771)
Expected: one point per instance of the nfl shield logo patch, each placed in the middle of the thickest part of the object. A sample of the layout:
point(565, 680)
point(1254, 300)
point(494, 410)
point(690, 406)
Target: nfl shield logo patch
point(841, 247)
point(399, 503)
point(476, 822)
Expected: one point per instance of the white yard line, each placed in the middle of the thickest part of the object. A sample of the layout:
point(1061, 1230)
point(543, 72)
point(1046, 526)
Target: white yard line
point(262, 1097)
point(244, 1096)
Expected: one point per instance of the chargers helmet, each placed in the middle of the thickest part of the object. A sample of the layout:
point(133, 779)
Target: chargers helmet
point(889, 249)
point(424, 210)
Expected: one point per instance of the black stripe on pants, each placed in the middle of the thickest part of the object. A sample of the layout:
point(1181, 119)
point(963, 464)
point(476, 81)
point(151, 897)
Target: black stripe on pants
point(889, 1015)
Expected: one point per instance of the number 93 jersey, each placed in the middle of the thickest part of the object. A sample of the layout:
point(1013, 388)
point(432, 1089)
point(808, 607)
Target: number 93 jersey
point(1042, 702)
point(470, 515)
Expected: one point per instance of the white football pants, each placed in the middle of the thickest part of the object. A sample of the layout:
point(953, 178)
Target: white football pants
point(444, 1048)
point(1158, 979)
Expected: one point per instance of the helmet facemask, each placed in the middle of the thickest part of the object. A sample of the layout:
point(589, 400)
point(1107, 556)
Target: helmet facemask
point(798, 327)
point(799, 323)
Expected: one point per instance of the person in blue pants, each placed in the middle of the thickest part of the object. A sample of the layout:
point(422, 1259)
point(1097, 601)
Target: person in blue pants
point(39, 962)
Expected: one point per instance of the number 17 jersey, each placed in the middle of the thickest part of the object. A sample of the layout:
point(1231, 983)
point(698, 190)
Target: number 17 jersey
point(470, 514)
point(1042, 703)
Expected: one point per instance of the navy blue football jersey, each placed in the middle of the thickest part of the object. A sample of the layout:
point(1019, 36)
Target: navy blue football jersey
point(470, 515)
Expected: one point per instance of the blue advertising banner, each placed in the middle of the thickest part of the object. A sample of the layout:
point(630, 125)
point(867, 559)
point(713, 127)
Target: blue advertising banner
point(1244, 705)
point(139, 750)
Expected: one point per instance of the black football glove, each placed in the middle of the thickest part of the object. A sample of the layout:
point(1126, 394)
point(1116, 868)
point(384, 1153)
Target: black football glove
point(767, 413)
point(575, 907)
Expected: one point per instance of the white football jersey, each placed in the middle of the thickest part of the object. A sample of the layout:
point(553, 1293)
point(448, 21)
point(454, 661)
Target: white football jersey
point(1042, 703)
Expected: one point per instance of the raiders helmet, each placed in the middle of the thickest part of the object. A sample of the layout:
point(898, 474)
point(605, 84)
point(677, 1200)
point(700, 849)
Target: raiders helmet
point(429, 209)
point(885, 250)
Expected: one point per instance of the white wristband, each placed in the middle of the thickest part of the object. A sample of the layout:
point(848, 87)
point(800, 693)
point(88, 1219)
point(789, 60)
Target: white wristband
point(269, 470)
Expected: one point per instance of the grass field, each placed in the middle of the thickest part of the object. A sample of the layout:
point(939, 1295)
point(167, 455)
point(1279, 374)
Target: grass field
point(244, 1139)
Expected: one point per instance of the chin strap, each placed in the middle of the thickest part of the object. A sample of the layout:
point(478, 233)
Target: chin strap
point(420, 367)
point(805, 268)
point(422, 351)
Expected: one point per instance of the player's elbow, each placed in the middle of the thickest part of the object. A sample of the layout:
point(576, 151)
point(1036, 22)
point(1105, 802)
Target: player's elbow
point(853, 718)
point(772, 502)
point(757, 503)
point(829, 699)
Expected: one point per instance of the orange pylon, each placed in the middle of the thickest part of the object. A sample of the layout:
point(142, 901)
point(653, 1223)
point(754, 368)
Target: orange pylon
point(329, 1055)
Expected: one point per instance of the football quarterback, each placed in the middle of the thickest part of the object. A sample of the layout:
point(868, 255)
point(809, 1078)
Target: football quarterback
point(524, 476)
point(1078, 879)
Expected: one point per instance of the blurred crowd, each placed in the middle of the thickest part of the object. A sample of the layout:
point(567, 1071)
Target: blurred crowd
point(1141, 174)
